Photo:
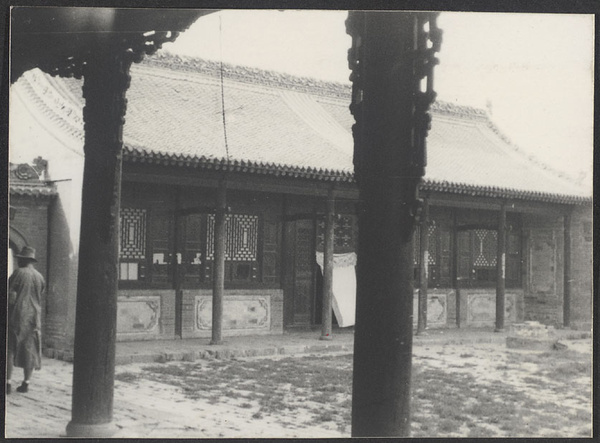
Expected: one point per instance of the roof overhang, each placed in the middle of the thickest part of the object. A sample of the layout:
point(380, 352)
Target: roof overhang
point(60, 40)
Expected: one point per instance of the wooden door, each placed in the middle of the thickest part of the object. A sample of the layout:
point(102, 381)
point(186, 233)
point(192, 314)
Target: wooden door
point(303, 272)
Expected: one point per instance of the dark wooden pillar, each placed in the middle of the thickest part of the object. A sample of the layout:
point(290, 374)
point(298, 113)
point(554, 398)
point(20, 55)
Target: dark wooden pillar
point(423, 268)
point(328, 267)
point(219, 264)
point(389, 159)
point(106, 79)
point(456, 278)
point(501, 269)
point(567, 271)
point(177, 266)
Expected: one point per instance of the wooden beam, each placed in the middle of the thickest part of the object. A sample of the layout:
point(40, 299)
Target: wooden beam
point(196, 210)
point(442, 199)
point(177, 175)
point(501, 269)
point(219, 264)
point(326, 318)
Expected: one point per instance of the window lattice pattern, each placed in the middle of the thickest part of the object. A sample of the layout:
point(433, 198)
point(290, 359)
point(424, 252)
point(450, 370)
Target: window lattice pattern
point(432, 246)
point(241, 237)
point(132, 244)
point(485, 248)
point(342, 231)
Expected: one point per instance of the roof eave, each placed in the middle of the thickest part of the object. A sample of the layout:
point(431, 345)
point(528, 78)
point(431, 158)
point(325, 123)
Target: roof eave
point(330, 175)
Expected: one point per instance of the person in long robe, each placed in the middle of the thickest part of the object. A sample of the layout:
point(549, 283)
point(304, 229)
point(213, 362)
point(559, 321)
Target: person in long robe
point(25, 288)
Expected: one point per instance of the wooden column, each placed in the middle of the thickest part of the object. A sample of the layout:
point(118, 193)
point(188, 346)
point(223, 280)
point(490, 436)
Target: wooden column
point(328, 267)
point(106, 79)
point(177, 268)
point(501, 269)
point(456, 279)
point(567, 271)
point(389, 136)
point(219, 264)
point(423, 268)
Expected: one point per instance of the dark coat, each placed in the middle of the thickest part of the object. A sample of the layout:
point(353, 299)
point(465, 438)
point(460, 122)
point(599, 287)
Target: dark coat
point(25, 316)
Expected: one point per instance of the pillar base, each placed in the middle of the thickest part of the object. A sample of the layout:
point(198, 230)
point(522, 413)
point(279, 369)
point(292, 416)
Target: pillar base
point(326, 337)
point(499, 330)
point(216, 342)
point(101, 430)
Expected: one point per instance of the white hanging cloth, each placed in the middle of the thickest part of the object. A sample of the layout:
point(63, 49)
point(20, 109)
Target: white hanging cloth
point(344, 287)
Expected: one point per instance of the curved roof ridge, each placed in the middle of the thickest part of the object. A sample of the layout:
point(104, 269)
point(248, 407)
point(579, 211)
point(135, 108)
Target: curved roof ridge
point(483, 115)
point(532, 158)
point(267, 77)
point(250, 74)
point(52, 101)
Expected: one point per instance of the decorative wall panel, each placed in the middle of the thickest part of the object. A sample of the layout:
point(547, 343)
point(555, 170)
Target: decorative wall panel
point(481, 308)
point(240, 312)
point(437, 309)
point(138, 315)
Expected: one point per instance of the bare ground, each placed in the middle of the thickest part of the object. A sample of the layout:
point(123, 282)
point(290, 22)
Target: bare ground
point(480, 390)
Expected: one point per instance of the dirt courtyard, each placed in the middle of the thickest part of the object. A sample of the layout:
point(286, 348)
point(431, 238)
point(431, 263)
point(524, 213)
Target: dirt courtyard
point(477, 390)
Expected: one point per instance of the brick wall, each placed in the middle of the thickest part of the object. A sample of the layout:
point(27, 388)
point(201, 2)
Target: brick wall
point(31, 221)
point(31, 225)
point(188, 316)
point(62, 281)
point(277, 312)
point(581, 267)
point(543, 268)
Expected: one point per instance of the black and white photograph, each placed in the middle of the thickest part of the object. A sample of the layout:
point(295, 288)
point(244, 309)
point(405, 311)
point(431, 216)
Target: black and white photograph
point(298, 223)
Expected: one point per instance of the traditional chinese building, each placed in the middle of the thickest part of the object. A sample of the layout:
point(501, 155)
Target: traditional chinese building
point(392, 59)
point(282, 148)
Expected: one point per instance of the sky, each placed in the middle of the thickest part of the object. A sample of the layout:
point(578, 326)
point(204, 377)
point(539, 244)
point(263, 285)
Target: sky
point(533, 72)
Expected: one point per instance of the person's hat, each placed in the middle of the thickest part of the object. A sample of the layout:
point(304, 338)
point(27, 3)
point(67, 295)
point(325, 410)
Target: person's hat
point(28, 253)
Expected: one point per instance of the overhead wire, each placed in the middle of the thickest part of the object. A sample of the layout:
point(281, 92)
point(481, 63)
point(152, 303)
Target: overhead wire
point(223, 94)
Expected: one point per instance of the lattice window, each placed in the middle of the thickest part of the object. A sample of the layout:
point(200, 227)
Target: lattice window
point(343, 232)
point(132, 244)
point(485, 252)
point(432, 246)
point(241, 237)
point(343, 229)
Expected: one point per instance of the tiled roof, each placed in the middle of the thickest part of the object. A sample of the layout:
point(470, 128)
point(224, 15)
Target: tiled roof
point(277, 124)
point(35, 191)
point(25, 179)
